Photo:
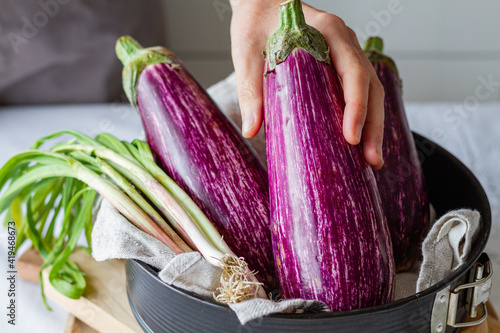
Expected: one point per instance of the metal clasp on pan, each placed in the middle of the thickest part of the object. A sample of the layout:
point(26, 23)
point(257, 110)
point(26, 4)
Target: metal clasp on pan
point(479, 291)
point(445, 307)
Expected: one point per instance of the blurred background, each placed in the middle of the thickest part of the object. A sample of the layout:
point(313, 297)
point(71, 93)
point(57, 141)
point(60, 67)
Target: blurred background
point(441, 47)
point(444, 49)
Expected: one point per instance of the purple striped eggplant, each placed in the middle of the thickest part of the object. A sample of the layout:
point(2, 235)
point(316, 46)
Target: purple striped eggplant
point(401, 180)
point(202, 151)
point(330, 237)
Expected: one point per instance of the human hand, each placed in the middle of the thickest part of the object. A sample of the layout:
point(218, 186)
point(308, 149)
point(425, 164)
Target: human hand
point(254, 20)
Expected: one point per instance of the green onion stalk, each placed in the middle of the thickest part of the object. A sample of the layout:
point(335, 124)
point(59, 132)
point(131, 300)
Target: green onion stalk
point(65, 182)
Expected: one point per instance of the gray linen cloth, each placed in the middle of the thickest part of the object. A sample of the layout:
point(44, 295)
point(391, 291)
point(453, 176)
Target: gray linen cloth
point(445, 248)
point(114, 237)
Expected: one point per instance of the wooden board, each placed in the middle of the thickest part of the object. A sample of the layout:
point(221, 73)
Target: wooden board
point(75, 325)
point(28, 266)
point(103, 307)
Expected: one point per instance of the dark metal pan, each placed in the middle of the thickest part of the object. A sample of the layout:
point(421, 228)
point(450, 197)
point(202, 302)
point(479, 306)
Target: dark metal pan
point(159, 307)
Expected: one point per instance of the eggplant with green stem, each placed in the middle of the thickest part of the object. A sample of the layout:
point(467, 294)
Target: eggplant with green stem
point(401, 180)
point(201, 150)
point(330, 236)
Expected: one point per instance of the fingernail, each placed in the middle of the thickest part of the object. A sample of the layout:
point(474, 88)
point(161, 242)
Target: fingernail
point(247, 123)
point(357, 132)
point(379, 152)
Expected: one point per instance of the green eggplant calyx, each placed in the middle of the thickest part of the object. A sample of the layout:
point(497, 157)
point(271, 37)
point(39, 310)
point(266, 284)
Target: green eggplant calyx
point(135, 59)
point(374, 44)
point(293, 32)
point(373, 49)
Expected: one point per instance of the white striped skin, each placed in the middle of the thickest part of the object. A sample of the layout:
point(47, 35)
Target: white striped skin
point(330, 236)
point(401, 180)
point(199, 148)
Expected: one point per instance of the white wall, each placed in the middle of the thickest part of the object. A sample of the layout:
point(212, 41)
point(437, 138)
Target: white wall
point(442, 48)
point(198, 33)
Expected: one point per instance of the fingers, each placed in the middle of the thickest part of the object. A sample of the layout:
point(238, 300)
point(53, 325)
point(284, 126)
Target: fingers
point(248, 63)
point(356, 92)
point(373, 132)
point(363, 93)
point(355, 76)
point(249, 81)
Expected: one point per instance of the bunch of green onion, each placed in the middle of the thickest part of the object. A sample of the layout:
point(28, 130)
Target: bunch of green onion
point(39, 187)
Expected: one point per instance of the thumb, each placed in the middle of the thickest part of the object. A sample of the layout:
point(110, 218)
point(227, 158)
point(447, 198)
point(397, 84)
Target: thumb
point(249, 69)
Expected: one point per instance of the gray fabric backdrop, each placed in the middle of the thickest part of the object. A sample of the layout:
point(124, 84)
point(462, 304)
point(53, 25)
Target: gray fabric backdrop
point(62, 51)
